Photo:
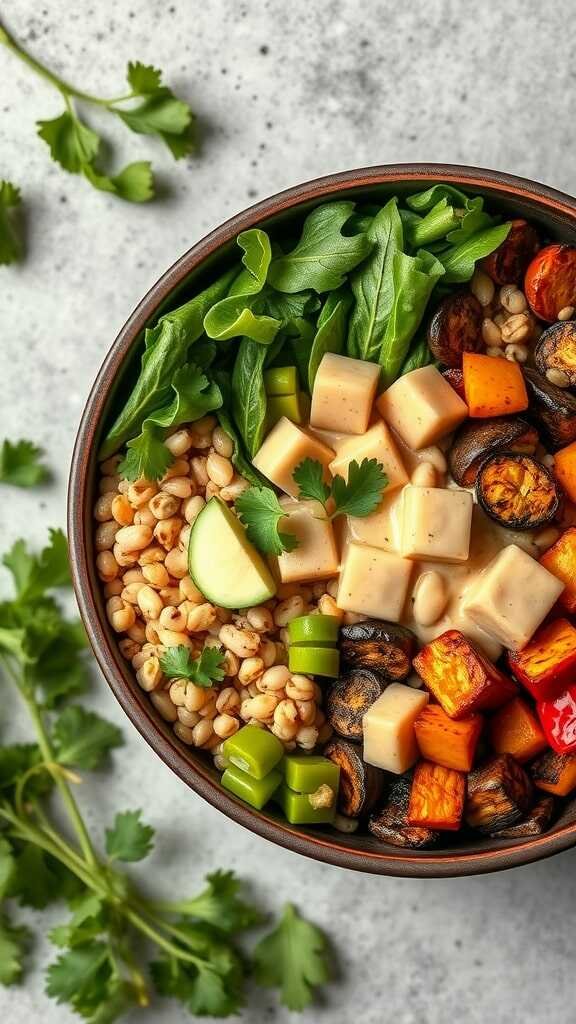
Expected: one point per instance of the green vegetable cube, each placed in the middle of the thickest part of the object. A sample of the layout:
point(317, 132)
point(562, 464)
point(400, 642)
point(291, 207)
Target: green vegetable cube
point(255, 792)
point(306, 773)
point(314, 661)
point(322, 629)
point(281, 380)
point(254, 751)
point(282, 405)
point(299, 809)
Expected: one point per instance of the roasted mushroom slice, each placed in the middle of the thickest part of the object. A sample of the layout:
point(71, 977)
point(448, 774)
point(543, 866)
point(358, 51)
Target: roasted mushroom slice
point(455, 378)
point(507, 264)
point(361, 784)
point(350, 697)
point(516, 491)
point(383, 646)
point(534, 824)
point(390, 823)
point(476, 439)
point(499, 795)
point(455, 328)
point(555, 354)
point(553, 408)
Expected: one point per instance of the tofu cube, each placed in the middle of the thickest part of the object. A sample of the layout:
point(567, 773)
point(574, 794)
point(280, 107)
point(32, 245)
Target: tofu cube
point(388, 728)
point(511, 597)
point(377, 443)
point(343, 394)
point(373, 582)
point(316, 557)
point(436, 524)
point(382, 528)
point(422, 407)
point(285, 448)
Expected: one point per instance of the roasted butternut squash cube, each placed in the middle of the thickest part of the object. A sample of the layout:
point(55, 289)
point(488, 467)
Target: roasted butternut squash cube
point(548, 663)
point(560, 560)
point(461, 678)
point(515, 730)
point(445, 741)
point(565, 469)
point(534, 824)
point(437, 797)
point(554, 773)
point(390, 822)
point(499, 795)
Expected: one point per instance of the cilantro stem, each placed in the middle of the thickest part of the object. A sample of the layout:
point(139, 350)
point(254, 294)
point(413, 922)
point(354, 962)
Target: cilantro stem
point(143, 926)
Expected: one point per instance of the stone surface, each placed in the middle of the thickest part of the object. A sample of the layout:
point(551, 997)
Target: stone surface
point(284, 91)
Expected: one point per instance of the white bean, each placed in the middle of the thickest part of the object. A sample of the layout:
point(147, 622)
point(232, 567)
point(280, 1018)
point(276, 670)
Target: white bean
point(430, 597)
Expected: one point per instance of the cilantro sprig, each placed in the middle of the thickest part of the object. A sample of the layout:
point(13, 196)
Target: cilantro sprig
point(10, 243)
point(147, 107)
point(20, 462)
point(205, 670)
point(261, 513)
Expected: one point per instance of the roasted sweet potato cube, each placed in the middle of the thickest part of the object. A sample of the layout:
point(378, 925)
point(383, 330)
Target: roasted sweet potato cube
point(390, 822)
point(461, 678)
point(499, 795)
point(445, 741)
point(554, 773)
point(515, 729)
point(534, 824)
point(548, 662)
point(560, 560)
point(437, 797)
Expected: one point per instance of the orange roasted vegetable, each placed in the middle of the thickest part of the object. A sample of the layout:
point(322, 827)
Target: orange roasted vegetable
point(547, 665)
point(560, 560)
point(554, 773)
point(550, 281)
point(446, 742)
point(461, 678)
point(515, 730)
point(437, 797)
point(493, 387)
point(499, 795)
point(565, 469)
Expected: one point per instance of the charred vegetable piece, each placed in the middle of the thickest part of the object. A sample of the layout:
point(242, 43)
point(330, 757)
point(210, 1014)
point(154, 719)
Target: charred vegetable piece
point(493, 387)
point(349, 699)
point(554, 773)
point(507, 264)
point(550, 282)
point(455, 328)
point(437, 797)
point(461, 678)
point(476, 439)
point(361, 784)
point(558, 718)
point(446, 742)
point(514, 729)
point(390, 823)
point(553, 408)
point(535, 824)
point(555, 352)
point(516, 491)
point(560, 560)
point(548, 662)
point(499, 795)
point(383, 646)
point(455, 379)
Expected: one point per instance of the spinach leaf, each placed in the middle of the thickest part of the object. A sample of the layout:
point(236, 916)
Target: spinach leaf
point(233, 316)
point(286, 307)
point(418, 356)
point(459, 261)
point(331, 331)
point(475, 219)
point(437, 224)
point(422, 202)
point(167, 346)
point(413, 278)
point(323, 254)
point(372, 285)
point(300, 344)
point(239, 458)
point(249, 394)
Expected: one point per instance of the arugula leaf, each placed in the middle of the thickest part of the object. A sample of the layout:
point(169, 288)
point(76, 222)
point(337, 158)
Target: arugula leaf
point(424, 201)
point(34, 574)
point(358, 495)
point(7, 866)
point(13, 945)
point(233, 316)
point(129, 839)
point(82, 739)
point(309, 475)
point(330, 333)
point(413, 278)
point(10, 245)
point(261, 512)
point(166, 349)
point(323, 255)
point(20, 465)
point(294, 958)
point(460, 261)
point(442, 220)
point(177, 663)
point(249, 400)
point(194, 395)
point(288, 308)
point(372, 285)
point(219, 904)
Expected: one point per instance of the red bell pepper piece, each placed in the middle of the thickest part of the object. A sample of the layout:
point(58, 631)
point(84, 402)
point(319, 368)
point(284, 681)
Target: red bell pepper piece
point(547, 665)
point(558, 718)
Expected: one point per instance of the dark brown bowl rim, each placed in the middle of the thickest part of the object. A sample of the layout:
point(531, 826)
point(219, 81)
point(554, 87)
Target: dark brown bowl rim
point(559, 207)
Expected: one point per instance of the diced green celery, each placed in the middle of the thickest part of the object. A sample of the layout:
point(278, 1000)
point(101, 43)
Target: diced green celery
point(255, 792)
point(306, 772)
point(322, 629)
point(253, 750)
point(314, 661)
point(281, 380)
point(282, 405)
point(298, 809)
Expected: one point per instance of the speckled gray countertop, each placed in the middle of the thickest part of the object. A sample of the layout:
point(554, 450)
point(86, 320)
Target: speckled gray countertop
point(284, 92)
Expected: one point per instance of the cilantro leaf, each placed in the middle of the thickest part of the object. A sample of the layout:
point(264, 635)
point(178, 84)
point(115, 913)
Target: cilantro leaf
point(309, 475)
point(37, 879)
point(68, 979)
point(13, 943)
point(72, 143)
point(17, 759)
point(219, 904)
point(261, 512)
point(133, 183)
point(10, 246)
point(7, 866)
point(84, 925)
point(146, 456)
point(161, 112)
point(177, 663)
point(19, 463)
point(213, 990)
point(129, 840)
point(143, 78)
point(362, 492)
point(293, 958)
point(35, 574)
point(83, 739)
